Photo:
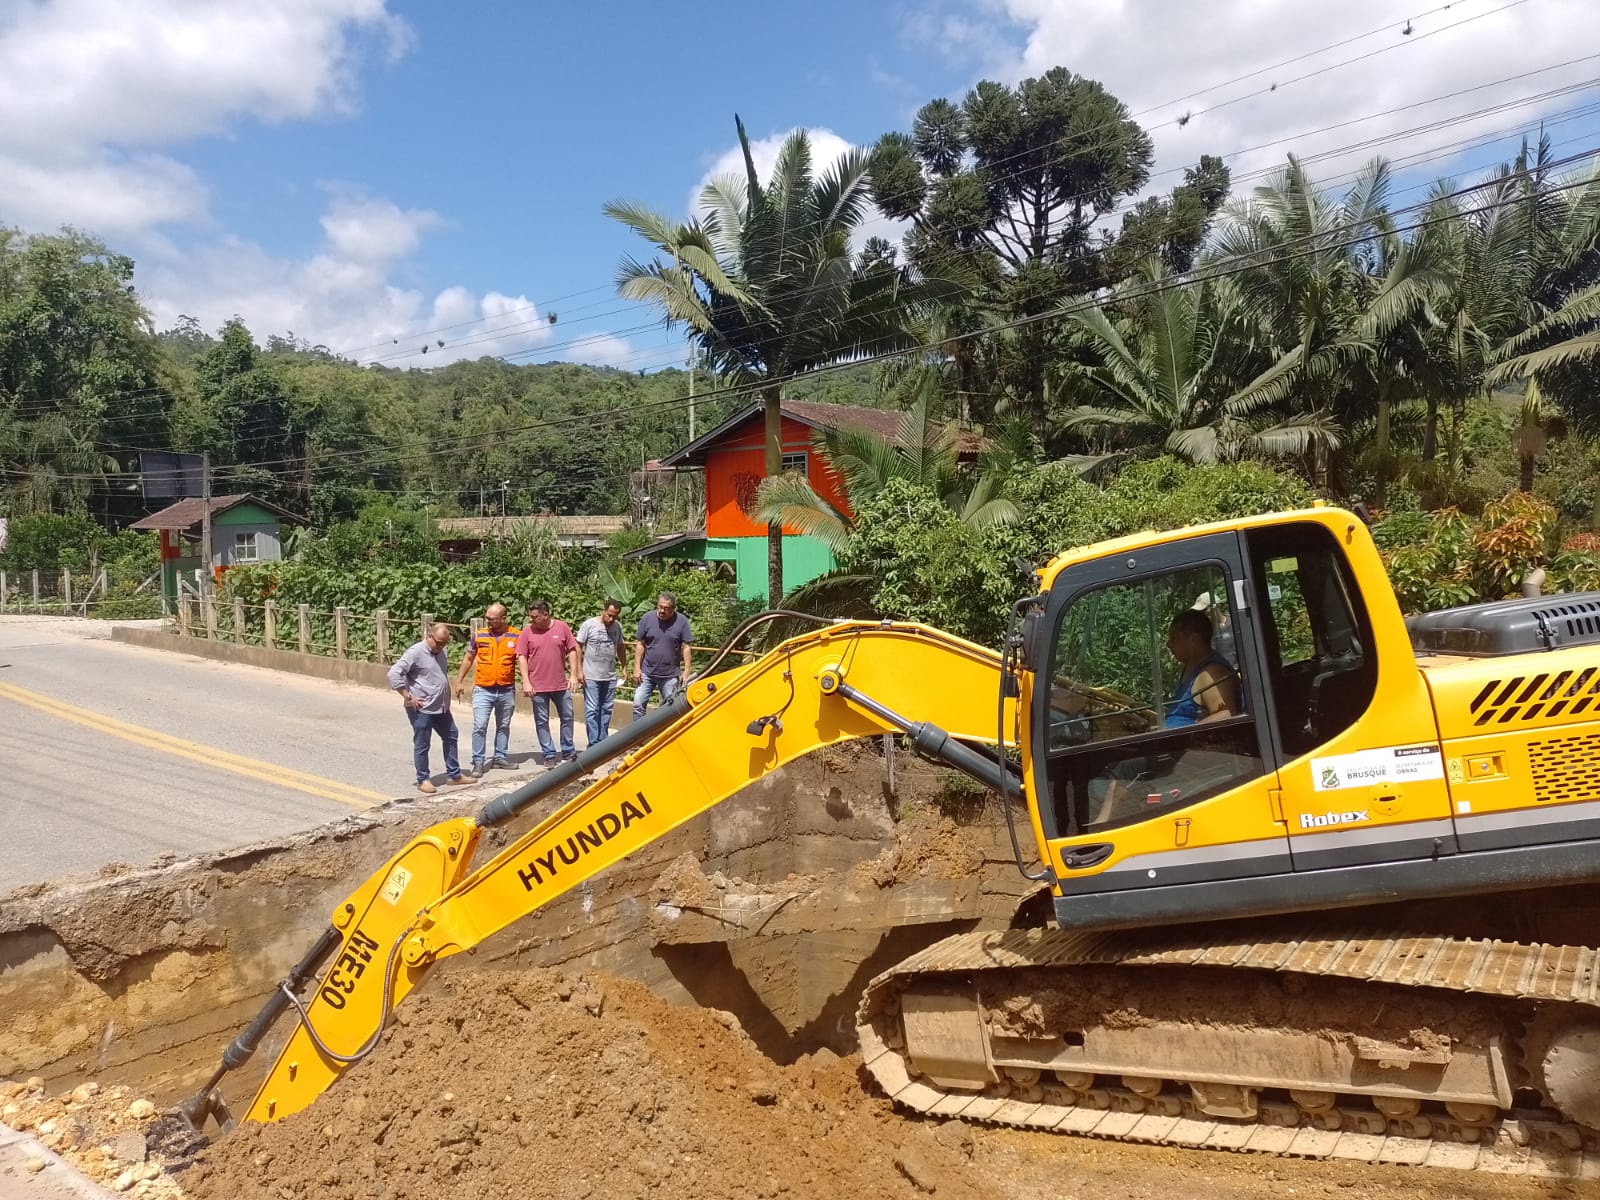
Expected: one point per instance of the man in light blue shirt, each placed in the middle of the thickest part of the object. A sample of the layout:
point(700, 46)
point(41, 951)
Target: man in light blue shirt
point(422, 677)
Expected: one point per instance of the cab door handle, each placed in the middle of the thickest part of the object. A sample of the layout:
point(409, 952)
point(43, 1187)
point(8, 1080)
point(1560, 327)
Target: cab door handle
point(1081, 858)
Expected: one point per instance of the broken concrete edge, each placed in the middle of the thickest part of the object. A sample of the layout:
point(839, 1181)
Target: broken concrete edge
point(57, 1178)
point(55, 905)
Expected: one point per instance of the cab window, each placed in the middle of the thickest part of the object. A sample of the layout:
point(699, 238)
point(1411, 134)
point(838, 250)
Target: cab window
point(1318, 640)
point(1149, 706)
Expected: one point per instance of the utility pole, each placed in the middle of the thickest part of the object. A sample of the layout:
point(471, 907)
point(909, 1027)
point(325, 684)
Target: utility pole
point(691, 395)
point(205, 524)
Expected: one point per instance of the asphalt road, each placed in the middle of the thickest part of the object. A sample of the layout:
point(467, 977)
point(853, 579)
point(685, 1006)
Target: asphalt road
point(111, 753)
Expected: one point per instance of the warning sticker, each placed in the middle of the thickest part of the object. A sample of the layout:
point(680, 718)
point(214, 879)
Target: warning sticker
point(1392, 764)
point(395, 886)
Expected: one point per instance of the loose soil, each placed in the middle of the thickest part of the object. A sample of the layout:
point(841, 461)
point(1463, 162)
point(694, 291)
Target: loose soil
point(536, 1069)
point(536, 1084)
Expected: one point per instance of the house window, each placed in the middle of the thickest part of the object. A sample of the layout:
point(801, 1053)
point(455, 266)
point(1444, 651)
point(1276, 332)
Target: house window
point(244, 547)
point(795, 462)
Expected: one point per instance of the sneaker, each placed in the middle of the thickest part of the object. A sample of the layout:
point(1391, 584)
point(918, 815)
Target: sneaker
point(547, 763)
point(503, 764)
point(478, 770)
point(426, 787)
point(459, 781)
point(572, 757)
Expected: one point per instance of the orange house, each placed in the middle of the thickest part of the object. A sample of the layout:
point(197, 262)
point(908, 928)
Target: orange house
point(733, 457)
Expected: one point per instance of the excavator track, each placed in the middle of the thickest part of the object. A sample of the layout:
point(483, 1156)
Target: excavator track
point(1547, 996)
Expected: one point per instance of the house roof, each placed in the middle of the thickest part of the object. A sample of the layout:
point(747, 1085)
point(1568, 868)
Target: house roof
point(815, 415)
point(563, 526)
point(188, 514)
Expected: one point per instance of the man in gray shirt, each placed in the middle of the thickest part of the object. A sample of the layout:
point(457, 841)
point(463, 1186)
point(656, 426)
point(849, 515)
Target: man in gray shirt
point(422, 677)
point(601, 639)
point(662, 640)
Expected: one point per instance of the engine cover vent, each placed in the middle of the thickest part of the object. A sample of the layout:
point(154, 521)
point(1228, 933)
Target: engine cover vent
point(1563, 768)
point(1509, 626)
point(1527, 698)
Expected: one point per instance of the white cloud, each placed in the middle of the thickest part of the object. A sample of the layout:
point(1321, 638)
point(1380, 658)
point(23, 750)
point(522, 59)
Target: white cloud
point(77, 72)
point(827, 148)
point(96, 95)
point(1154, 53)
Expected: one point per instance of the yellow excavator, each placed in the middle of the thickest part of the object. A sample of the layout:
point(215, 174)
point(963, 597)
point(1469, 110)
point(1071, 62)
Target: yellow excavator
point(1322, 877)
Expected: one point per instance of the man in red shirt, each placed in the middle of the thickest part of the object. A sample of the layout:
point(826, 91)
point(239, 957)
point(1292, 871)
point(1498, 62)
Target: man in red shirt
point(547, 662)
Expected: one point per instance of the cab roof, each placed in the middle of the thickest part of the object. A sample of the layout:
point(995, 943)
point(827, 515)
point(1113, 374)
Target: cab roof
point(1323, 514)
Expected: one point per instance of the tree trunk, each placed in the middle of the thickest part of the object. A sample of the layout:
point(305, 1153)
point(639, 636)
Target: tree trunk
point(1380, 489)
point(774, 430)
point(1430, 431)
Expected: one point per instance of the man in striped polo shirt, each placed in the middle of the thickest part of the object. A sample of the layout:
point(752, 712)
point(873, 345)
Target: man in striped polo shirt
point(492, 658)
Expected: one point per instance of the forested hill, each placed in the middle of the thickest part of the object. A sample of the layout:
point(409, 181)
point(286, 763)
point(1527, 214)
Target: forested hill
point(84, 386)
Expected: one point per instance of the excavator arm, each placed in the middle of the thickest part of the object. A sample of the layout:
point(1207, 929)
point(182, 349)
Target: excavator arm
point(428, 903)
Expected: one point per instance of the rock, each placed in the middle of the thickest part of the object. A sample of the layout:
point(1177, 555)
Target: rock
point(36, 1083)
point(85, 1092)
point(141, 1110)
point(763, 1093)
point(33, 1166)
point(914, 1167)
point(128, 1146)
point(124, 1181)
point(46, 1128)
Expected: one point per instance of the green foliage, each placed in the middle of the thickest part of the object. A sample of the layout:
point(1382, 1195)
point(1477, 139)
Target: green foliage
point(1446, 558)
point(49, 541)
point(928, 566)
point(384, 533)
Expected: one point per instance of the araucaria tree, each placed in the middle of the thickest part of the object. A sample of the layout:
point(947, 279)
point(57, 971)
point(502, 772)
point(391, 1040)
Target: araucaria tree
point(1012, 185)
point(765, 283)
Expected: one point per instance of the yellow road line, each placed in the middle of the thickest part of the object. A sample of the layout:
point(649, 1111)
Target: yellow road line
point(300, 781)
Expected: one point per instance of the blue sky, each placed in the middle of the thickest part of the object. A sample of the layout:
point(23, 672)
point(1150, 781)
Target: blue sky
point(364, 172)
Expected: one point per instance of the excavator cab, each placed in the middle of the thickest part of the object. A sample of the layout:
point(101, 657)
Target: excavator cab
point(1183, 684)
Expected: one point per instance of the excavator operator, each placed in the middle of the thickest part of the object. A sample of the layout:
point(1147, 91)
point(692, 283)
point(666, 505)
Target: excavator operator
point(1209, 689)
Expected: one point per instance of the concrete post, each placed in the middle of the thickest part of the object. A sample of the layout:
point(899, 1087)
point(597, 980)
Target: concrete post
point(476, 625)
point(238, 619)
point(209, 606)
point(183, 615)
point(341, 632)
point(427, 622)
point(2, 591)
point(380, 634)
point(36, 587)
point(269, 624)
point(304, 612)
point(66, 589)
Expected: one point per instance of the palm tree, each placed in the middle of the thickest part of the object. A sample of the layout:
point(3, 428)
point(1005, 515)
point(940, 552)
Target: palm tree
point(921, 452)
point(765, 282)
point(1184, 369)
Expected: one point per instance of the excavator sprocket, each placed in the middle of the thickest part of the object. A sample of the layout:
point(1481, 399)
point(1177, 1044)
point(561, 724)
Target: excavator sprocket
point(1369, 1045)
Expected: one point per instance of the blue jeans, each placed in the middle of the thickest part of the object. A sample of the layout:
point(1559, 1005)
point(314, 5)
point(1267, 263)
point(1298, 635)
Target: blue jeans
point(423, 727)
point(502, 702)
point(668, 684)
point(598, 695)
point(541, 722)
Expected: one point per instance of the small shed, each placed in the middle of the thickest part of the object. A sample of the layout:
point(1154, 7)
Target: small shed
point(244, 531)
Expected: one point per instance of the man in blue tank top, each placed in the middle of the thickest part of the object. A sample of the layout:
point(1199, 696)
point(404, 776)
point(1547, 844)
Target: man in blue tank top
point(1209, 689)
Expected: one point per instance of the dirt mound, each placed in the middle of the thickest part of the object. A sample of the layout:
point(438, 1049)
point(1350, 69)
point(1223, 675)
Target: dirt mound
point(539, 1084)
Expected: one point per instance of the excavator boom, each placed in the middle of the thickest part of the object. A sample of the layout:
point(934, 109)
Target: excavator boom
point(428, 902)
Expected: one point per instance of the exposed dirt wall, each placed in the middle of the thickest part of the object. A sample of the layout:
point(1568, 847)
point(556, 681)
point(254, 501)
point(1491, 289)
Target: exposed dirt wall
point(776, 906)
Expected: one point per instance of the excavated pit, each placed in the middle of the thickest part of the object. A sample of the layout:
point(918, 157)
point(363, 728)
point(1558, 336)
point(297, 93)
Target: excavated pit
point(776, 906)
point(682, 1026)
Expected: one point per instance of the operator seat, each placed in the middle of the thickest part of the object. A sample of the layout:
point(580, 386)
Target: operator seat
point(1339, 695)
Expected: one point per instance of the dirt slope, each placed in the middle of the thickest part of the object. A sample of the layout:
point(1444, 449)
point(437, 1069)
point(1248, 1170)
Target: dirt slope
point(535, 1084)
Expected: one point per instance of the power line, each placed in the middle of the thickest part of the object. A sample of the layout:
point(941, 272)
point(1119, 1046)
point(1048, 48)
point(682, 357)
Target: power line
point(1320, 242)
